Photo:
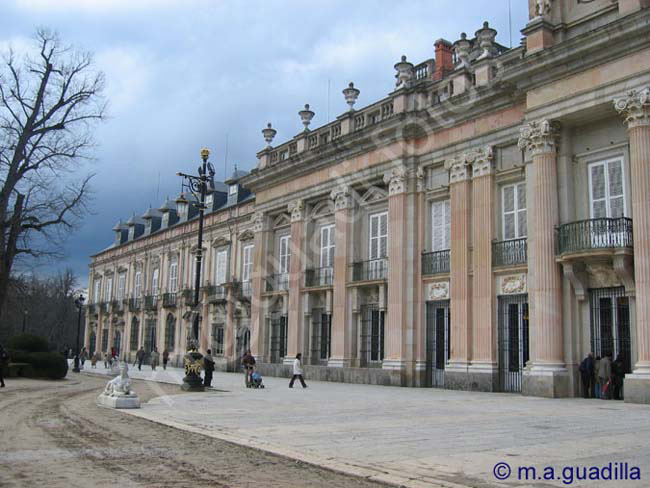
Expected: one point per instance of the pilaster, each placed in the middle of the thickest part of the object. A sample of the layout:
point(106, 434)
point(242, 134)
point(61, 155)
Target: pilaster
point(295, 318)
point(260, 267)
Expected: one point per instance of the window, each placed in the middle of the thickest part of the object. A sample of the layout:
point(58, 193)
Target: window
point(327, 246)
point(170, 332)
point(154, 281)
point(165, 219)
point(378, 236)
point(137, 289)
point(98, 288)
point(108, 292)
point(121, 286)
point(284, 254)
point(135, 334)
point(440, 225)
point(208, 200)
point(221, 268)
point(513, 203)
point(233, 189)
point(247, 263)
point(606, 191)
point(193, 275)
point(173, 276)
point(217, 339)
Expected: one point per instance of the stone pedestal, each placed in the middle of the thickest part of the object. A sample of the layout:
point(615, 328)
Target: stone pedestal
point(126, 401)
point(193, 365)
point(118, 392)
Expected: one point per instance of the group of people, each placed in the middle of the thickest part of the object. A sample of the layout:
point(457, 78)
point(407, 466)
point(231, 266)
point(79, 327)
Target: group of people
point(154, 358)
point(602, 378)
point(248, 365)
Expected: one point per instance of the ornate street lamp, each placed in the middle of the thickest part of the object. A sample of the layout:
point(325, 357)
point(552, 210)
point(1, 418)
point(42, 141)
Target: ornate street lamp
point(79, 303)
point(198, 186)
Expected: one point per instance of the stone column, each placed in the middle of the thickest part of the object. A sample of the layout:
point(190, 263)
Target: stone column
point(399, 290)
point(546, 374)
point(260, 267)
point(420, 336)
point(342, 340)
point(295, 333)
point(635, 107)
point(483, 368)
point(460, 340)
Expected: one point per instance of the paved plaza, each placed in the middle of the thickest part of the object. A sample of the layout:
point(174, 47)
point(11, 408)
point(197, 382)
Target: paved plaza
point(438, 437)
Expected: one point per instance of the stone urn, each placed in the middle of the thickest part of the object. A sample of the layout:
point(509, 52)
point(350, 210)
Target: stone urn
point(192, 361)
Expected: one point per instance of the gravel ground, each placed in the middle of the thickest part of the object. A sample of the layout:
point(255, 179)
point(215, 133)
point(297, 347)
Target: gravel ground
point(53, 434)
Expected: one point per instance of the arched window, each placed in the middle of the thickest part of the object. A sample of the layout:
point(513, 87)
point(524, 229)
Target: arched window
point(170, 332)
point(135, 334)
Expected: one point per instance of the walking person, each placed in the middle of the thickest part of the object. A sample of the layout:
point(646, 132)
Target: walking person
point(297, 371)
point(604, 376)
point(618, 373)
point(4, 362)
point(105, 360)
point(587, 375)
point(208, 367)
point(154, 359)
point(166, 358)
point(83, 356)
point(93, 360)
point(248, 363)
point(139, 356)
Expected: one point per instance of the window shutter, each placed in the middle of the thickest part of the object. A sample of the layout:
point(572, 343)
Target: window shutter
point(247, 263)
point(522, 216)
point(440, 225)
point(285, 254)
point(154, 281)
point(220, 267)
point(173, 276)
point(383, 247)
point(447, 238)
point(138, 284)
point(616, 192)
point(598, 191)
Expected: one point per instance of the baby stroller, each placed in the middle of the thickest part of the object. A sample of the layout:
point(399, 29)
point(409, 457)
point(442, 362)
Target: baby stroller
point(256, 380)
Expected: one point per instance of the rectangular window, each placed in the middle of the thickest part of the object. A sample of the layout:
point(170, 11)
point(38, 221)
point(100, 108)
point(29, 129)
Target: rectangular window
point(513, 205)
point(217, 339)
point(137, 288)
point(98, 289)
point(378, 236)
point(440, 225)
point(121, 286)
point(108, 292)
point(154, 281)
point(173, 276)
point(606, 189)
point(221, 268)
point(327, 246)
point(284, 255)
point(247, 263)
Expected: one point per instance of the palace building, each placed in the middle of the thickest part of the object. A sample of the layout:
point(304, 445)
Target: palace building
point(484, 226)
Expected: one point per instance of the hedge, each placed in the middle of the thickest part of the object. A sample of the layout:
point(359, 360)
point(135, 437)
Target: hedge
point(50, 365)
point(27, 343)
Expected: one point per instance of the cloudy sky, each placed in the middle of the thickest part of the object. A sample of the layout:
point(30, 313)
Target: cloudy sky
point(183, 74)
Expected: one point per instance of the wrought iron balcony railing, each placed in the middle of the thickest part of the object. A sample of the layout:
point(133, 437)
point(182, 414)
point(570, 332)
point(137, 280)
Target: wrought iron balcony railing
point(117, 306)
point(373, 270)
point(585, 235)
point(105, 307)
point(510, 253)
point(151, 303)
point(245, 289)
point(216, 293)
point(135, 304)
point(188, 297)
point(319, 277)
point(169, 300)
point(435, 262)
point(277, 282)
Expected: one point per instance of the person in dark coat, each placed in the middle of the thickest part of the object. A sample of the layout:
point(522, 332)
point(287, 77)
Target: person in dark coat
point(4, 362)
point(618, 374)
point(248, 363)
point(208, 367)
point(139, 356)
point(165, 358)
point(587, 375)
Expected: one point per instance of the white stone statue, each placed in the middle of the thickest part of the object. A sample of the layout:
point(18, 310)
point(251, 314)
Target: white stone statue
point(118, 392)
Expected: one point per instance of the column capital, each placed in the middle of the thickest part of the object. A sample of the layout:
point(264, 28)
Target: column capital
point(635, 107)
point(539, 137)
point(260, 222)
point(420, 179)
point(297, 210)
point(342, 197)
point(481, 160)
point(395, 178)
point(458, 168)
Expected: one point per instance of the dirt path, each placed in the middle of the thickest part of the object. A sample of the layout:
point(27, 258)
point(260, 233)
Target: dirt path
point(52, 434)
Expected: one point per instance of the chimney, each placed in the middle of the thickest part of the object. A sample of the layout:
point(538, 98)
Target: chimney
point(444, 59)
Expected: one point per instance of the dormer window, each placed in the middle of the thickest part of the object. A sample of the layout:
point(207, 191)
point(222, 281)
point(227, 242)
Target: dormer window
point(208, 200)
point(131, 232)
point(147, 226)
point(165, 219)
point(233, 189)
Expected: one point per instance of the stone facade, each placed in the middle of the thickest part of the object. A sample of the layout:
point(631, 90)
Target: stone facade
point(472, 230)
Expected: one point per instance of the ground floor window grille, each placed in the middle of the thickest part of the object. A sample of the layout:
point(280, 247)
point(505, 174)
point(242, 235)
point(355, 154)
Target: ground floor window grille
point(321, 341)
point(610, 324)
point(92, 344)
point(117, 342)
point(372, 335)
point(135, 334)
point(105, 340)
point(150, 335)
point(513, 341)
point(217, 339)
point(437, 341)
point(278, 338)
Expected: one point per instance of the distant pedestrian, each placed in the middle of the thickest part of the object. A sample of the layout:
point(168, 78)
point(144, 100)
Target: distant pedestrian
point(93, 360)
point(605, 377)
point(165, 358)
point(618, 374)
point(105, 360)
point(595, 381)
point(4, 362)
point(248, 363)
point(587, 375)
point(83, 356)
point(154, 359)
point(139, 356)
point(297, 371)
point(208, 367)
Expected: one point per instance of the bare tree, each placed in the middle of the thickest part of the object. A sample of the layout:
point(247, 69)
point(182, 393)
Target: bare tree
point(50, 100)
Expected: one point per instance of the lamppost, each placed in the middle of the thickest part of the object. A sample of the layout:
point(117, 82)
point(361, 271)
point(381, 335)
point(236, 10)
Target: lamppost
point(79, 303)
point(198, 186)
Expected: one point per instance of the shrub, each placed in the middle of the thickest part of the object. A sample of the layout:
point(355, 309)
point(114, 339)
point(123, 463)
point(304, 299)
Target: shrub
point(50, 365)
point(27, 343)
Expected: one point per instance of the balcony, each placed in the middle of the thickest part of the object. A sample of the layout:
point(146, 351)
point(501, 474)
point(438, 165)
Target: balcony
point(277, 282)
point(135, 304)
point(188, 297)
point(373, 270)
point(151, 303)
point(105, 307)
point(593, 235)
point(169, 300)
point(216, 293)
point(244, 290)
point(435, 262)
point(117, 306)
point(512, 252)
point(319, 277)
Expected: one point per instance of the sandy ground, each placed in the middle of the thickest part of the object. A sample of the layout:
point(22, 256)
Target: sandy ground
point(53, 434)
